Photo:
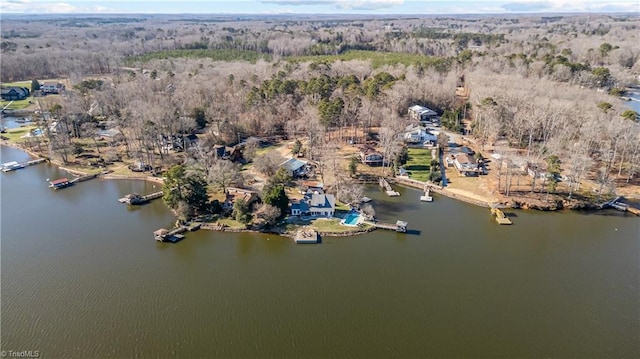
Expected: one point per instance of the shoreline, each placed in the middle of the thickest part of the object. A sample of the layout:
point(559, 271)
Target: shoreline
point(210, 226)
point(279, 231)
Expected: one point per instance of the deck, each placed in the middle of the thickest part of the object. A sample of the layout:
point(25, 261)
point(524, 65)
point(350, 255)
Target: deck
point(305, 236)
point(500, 216)
point(134, 198)
point(84, 178)
point(384, 184)
point(427, 195)
point(399, 226)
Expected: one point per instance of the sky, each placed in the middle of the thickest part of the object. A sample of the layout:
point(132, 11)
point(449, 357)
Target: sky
point(378, 7)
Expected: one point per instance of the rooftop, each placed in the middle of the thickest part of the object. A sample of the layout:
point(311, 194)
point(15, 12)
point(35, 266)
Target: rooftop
point(293, 164)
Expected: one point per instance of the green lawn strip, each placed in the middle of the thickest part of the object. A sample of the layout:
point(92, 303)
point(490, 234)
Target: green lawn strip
point(16, 105)
point(418, 164)
point(231, 223)
point(331, 225)
point(213, 54)
point(15, 134)
point(378, 59)
point(26, 84)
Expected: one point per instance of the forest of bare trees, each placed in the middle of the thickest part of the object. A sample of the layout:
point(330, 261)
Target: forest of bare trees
point(544, 85)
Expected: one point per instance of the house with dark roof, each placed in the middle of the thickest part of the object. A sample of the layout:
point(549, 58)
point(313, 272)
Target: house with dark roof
point(315, 204)
point(14, 93)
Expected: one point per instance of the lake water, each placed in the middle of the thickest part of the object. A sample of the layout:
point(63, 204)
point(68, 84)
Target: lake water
point(82, 277)
point(634, 103)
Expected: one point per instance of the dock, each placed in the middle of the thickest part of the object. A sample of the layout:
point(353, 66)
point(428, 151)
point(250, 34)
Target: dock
point(13, 165)
point(60, 183)
point(173, 236)
point(83, 178)
point(135, 199)
point(427, 195)
point(384, 184)
point(500, 217)
point(305, 236)
point(400, 226)
point(620, 206)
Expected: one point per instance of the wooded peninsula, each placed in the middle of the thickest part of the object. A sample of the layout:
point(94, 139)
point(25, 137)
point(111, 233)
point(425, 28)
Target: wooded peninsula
point(253, 120)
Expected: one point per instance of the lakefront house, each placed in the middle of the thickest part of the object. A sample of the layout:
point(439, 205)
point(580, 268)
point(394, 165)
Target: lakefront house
point(315, 204)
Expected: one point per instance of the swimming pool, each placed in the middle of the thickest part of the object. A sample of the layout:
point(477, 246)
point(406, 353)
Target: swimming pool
point(351, 219)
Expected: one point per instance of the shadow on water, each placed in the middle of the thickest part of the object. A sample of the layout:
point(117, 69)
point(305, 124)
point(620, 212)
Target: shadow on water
point(606, 213)
point(510, 214)
point(413, 232)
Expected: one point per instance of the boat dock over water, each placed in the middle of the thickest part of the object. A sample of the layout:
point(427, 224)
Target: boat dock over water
point(165, 235)
point(500, 216)
point(60, 183)
point(384, 184)
point(174, 235)
point(400, 226)
point(14, 165)
point(427, 195)
point(65, 182)
point(624, 207)
point(307, 236)
point(134, 198)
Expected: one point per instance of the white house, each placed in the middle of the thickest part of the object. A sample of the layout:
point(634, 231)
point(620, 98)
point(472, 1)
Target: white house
point(52, 87)
point(419, 135)
point(466, 165)
point(315, 204)
point(421, 113)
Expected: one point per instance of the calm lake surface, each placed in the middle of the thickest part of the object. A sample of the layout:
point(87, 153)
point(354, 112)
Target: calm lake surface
point(82, 277)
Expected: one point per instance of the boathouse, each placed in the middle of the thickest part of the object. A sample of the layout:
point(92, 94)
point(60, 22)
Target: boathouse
point(60, 183)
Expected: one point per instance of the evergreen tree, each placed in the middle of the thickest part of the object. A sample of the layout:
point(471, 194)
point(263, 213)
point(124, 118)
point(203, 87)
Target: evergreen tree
point(189, 188)
point(35, 85)
point(241, 211)
point(276, 196)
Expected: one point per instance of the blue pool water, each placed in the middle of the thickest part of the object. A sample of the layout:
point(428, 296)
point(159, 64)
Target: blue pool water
point(351, 219)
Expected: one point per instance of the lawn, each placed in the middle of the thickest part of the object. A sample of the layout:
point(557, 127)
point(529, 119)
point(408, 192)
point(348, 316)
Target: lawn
point(213, 54)
point(379, 59)
point(16, 105)
point(15, 134)
point(418, 164)
point(26, 84)
point(262, 150)
point(231, 223)
point(332, 225)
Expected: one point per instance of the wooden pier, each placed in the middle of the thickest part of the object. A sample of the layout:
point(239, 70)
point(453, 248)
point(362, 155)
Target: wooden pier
point(173, 236)
point(83, 178)
point(620, 206)
point(12, 166)
point(427, 195)
point(384, 184)
point(134, 198)
point(400, 226)
point(500, 217)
